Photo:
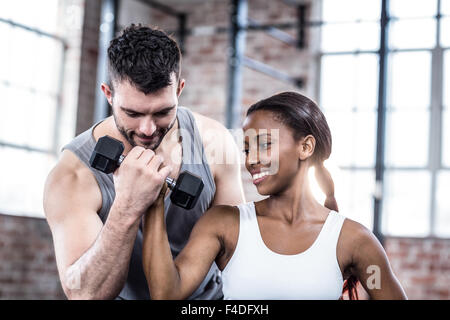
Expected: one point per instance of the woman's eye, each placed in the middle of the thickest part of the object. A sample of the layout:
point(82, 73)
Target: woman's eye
point(264, 145)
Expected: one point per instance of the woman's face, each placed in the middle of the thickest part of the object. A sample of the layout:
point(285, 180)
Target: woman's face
point(272, 154)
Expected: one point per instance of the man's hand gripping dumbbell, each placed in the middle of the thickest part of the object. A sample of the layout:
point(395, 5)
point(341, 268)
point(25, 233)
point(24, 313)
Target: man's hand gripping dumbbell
point(139, 177)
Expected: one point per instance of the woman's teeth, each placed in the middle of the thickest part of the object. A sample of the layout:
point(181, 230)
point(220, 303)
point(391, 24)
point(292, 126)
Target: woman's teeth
point(260, 175)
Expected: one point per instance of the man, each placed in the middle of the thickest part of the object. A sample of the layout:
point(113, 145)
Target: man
point(95, 218)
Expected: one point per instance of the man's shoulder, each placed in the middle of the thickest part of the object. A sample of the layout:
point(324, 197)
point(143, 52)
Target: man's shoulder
point(69, 182)
point(207, 123)
point(216, 137)
point(88, 137)
point(213, 132)
point(222, 154)
point(69, 169)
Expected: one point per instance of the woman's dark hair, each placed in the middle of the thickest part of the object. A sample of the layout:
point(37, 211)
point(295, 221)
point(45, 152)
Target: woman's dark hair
point(145, 57)
point(304, 117)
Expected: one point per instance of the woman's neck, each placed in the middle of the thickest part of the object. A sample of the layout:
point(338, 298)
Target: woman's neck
point(296, 203)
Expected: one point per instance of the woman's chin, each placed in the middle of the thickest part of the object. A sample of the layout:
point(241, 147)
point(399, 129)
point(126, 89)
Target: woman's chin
point(263, 191)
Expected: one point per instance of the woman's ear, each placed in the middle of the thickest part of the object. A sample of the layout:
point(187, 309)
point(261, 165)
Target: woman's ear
point(306, 147)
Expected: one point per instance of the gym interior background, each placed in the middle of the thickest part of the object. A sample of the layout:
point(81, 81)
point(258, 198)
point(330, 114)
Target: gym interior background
point(380, 71)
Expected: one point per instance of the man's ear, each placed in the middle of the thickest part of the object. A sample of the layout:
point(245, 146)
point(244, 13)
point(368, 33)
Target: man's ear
point(180, 88)
point(306, 147)
point(107, 91)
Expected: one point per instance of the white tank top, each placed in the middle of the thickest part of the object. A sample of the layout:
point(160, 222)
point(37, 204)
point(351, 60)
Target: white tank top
point(255, 272)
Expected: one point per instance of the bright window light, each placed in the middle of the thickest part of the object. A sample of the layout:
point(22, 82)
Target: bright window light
point(412, 8)
point(407, 203)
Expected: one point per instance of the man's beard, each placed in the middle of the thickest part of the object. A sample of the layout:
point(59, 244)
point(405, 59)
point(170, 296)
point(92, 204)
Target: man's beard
point(159, 134)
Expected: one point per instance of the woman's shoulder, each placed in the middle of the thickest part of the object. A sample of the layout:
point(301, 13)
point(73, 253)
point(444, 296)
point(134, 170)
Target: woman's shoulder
point(355, 237)
point(355, 230)
point(223, 210)
point(352, 238)
point(220, 216)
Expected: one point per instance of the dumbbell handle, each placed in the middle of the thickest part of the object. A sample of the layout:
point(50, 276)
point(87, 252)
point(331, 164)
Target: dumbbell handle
point(171, 183)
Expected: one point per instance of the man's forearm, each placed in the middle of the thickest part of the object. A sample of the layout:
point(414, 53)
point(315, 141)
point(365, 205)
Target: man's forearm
point(101, 271)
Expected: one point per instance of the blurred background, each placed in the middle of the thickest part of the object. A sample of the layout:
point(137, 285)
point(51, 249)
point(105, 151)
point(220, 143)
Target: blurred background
point(380, 71)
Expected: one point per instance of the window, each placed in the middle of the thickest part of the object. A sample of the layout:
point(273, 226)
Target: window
point(348, 97)
point(32, 63)
point(417, 146)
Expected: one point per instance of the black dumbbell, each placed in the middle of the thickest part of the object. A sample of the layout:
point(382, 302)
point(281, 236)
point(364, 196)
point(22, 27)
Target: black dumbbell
point(107, 157)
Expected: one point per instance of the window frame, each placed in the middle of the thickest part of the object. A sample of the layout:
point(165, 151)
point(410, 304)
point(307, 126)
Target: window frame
point(436, 108)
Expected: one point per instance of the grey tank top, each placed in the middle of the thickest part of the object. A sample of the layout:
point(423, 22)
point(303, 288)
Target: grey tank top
point(179, 221)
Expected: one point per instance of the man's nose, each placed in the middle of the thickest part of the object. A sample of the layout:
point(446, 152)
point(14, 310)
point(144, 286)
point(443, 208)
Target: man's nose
point(147, 127)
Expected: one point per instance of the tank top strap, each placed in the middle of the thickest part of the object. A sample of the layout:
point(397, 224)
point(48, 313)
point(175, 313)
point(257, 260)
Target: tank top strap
point(82, 146)
point(329, 235)
point(193, 151)
point(248, 227)
point(247, 215)
point(247, 244)
point(191, 139)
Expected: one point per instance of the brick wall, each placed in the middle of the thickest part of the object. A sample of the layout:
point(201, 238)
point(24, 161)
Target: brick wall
point(27, 269)
point(422, 266)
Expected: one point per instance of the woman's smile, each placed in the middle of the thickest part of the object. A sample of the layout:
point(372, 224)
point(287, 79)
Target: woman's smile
point(260, 177)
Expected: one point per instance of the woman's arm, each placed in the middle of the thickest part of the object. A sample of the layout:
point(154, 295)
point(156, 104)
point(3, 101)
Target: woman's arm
point(169, 279)
point(371, 266)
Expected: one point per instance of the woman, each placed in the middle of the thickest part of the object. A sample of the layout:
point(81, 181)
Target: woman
point(286, 246)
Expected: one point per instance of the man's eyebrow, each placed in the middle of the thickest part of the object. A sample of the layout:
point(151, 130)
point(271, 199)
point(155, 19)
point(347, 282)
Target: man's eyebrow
point(137, 112)
point(167, 109)
point(129, 110)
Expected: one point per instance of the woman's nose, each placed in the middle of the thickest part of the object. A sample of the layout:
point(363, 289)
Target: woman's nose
point(253, 157)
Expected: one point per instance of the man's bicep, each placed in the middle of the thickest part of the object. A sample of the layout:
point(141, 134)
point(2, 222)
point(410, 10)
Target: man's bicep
point(74, 235)
point(70, 208)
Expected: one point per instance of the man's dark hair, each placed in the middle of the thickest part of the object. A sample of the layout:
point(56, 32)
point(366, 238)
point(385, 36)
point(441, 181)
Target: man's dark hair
point(145, 57)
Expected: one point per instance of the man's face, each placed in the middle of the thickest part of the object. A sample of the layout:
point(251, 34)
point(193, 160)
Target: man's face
point(144, 120)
